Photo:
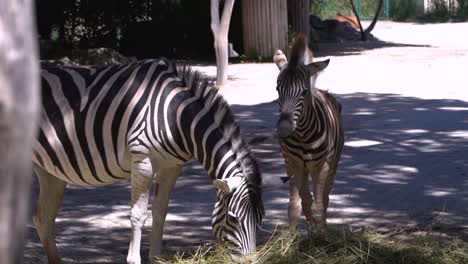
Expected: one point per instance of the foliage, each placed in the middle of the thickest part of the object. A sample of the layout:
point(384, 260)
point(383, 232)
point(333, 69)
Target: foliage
point(146, 28)
point(369, 7)
point(252, 55)
point(399, 10)
point(291, 39)
point(438, 11)
point(346, 247)
point(462, 11)
point(441, 10)
point(78, 21)
point(402, 10)
point(55, 34)
point(328, 9)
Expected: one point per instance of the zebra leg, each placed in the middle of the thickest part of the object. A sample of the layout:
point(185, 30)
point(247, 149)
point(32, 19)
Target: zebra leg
point(51, 194)
point(306, 198)
point(297, 174)
point(328, 187)
point(322, 181)
point(165, 181)
point(141, 179)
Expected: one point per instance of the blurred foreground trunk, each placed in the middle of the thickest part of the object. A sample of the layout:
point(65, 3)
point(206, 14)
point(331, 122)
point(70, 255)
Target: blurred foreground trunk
point(19, 101)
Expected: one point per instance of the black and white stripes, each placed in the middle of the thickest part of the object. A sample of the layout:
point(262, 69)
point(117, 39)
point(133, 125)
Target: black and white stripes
point(311, 133)
point(103, 125)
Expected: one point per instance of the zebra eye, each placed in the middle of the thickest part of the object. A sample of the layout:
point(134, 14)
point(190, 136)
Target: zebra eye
point(304, 92)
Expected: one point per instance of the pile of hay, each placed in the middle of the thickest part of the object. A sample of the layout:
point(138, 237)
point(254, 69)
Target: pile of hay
point(343, 247)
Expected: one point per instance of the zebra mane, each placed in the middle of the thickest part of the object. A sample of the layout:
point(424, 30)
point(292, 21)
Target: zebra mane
point(298, 51)
point(224, 118)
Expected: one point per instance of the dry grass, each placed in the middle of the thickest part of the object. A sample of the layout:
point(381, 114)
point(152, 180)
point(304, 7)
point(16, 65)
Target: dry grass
point(344, 247)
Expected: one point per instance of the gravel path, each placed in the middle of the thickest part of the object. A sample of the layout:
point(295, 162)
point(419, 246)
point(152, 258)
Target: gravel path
point(405, 108)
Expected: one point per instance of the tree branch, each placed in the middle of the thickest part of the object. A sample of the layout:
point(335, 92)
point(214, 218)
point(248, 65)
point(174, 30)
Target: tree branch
point(363, 34)
point(376, 17)
point(214, 15)
point(227, 13)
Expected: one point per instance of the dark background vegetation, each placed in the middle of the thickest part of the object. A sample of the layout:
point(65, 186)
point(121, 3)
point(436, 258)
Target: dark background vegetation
point(147, 28)
point(181, 28)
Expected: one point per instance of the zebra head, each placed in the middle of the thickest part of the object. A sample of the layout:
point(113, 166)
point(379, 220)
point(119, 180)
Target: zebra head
point(238, 211)
point(295, 83)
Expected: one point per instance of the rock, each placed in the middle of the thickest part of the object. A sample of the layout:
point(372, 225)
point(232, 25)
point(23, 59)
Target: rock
point(351, 20)
point(232, 53)
point(101, 56)
point(95, 57)
point(333, 30)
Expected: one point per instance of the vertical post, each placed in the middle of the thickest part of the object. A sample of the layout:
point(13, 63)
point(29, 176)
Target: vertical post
point(386, 9)
point(359, 7)
point(19, 99)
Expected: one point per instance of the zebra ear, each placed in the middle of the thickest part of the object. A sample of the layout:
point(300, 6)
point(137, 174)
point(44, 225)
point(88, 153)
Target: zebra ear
point(227, 185)
point(280, 60)
point(316, 67)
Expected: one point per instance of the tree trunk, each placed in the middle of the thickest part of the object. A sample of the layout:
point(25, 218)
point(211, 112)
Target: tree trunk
point(220, 28)
point(299, 10)
point(19, 101)
point(221, 51)
point(264, 27)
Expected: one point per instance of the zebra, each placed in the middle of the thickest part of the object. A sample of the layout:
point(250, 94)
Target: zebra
point(311, 134)
point(143, 121)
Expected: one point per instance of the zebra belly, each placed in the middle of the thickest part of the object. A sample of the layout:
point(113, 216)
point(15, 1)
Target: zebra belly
point(295, 149)
point(82, 180)
point(74, 167)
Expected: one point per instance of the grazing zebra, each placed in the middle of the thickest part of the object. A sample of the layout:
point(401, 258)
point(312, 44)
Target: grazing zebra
point(103, 125)
point(311, 134)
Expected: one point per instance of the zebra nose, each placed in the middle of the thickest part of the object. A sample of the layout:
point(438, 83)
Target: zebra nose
point(283, 130)
point(284, 127)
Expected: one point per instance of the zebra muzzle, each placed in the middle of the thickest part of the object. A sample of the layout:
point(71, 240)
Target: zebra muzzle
point(285, 126)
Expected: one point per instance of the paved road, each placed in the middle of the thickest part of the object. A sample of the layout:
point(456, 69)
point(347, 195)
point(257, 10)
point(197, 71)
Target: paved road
point(405, 107)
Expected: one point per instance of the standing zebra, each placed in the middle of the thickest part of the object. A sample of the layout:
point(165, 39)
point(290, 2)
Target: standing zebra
point(142, 121)
point(311, 133)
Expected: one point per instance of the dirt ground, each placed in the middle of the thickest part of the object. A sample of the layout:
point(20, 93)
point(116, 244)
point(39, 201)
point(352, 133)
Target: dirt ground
point(405, 108)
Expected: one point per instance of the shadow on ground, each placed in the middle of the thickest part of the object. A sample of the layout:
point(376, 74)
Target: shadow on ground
point(321, 49)
point(357, 47)
point(404, 163)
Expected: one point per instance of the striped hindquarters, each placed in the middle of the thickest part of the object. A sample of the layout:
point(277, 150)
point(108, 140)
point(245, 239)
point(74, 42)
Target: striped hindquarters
point(87, 116)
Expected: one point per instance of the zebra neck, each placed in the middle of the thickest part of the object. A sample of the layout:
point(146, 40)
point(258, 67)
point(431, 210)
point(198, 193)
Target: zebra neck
point(311, 121)
point(209, 142)
point(215, 154)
